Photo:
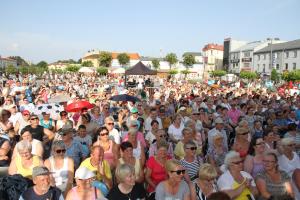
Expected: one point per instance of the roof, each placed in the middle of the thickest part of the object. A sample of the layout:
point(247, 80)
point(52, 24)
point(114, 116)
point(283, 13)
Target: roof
point(295, 44)
point(193, 53)
point(248, 47)
point(213, 46)
point(132, 56)
point(8, 59)
point(140, 69)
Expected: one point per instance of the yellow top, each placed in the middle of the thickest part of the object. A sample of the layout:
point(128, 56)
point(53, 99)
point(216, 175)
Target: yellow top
point(26, 172)
point(243, 195)
point(87, 163)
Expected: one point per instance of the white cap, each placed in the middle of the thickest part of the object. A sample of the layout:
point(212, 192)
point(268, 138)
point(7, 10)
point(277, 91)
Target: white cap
point(84, 173)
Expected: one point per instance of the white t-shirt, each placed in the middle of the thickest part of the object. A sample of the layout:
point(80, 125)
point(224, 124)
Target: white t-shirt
point(115, 136)
point(289, 165)
point(226, 180)
point(150, 137)
point(148, 123)
point(176, 132)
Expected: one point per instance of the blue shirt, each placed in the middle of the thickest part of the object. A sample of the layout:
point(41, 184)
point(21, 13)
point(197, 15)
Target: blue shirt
point(76, 152)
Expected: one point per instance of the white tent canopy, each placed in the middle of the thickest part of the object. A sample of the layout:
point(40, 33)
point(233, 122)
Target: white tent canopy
point(117, 71)
point(87, 70)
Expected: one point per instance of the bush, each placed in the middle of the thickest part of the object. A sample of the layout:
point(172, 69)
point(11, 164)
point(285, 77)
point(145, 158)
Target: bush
point(173, 71)
point(218, 73)
point(102, 70)
point(248, 75)
point(72, 68)
point(291, 76)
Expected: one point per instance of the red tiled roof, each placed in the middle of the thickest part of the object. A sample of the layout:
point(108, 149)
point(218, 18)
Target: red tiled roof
point(213, 46)
point(7, 59)
point(132, 56)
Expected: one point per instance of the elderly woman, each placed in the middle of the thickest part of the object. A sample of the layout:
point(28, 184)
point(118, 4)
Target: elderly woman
point(25, 162)
point(254, 160)
point(289, 160)
point(174, 187)
point(128, 158)
point(241, 142)
point(175, 129)
point(110, 148)
point(61, 166)
point(187, 136)
point(159, 136)
point(235, 182)
point(84, 189)
point(96, 115)
point(216, 154)
point(191, 162)
point(273, 183)
point(204, 185)
point(37, 146)
point(127, 187)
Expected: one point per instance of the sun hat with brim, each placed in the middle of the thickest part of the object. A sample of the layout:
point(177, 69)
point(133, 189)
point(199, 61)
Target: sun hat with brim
point(39, 171)
point(219, 121)
point(84, 173)
point(67, 128)
point(134, 110)
point(241, 130)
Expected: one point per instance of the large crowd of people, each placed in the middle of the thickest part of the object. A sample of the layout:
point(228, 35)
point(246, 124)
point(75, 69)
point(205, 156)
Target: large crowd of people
point(180, 141)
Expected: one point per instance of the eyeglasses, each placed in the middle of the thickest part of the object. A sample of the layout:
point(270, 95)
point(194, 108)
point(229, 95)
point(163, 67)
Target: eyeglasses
point(163, 136)
point(33, 119)
point(192, 148)
point(110, 123)
point(238, 162)
point(269, 161)
point(260, 143)
point(58, 151)
point(196, 114)
point(103, 134)
point(178, 172)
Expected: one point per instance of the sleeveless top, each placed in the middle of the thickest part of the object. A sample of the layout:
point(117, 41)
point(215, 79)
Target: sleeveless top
point(137, 167)
point(109, 155)
point(60, 175)
point(246, 192)
point(46, 125)
point(137, 151)
point(257, 168)
point(75, 196)
point(26, 172)
point(199, 193)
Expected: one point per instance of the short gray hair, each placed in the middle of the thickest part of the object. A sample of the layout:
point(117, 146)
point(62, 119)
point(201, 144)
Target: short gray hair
point(110, 118)
point(229, 156)
point(124, 170)
point(287, 141)
point(58, 144)
point(24, 145)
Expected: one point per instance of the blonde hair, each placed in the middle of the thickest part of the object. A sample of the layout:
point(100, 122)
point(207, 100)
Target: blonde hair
point(207, 171)
point(123, 170)
point(229, 156)
point(172, 164)
point(287, 141)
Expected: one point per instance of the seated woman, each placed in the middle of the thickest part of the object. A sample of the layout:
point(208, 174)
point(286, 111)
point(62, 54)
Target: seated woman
point(241, 142)
point(174, 187)
point(273, 183)
point(61, 166)
point(191, 162)
point(37, 146)
point(128, 158)
point(204, 185)
point(25, 161)
point(84, 189)
point(4, 151)
point(235, 182)
point(127, 187)
point(159, 136)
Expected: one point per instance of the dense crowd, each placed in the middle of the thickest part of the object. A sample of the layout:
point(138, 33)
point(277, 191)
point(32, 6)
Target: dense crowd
point(182, 140)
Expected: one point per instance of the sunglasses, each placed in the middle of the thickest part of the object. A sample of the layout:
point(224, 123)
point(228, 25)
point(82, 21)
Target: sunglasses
point(178, 172)
point(192, 148)
point(163, 136)
point(196, 114)
point(134, 125)
point(103, 134)
point(33, 119)
point(60, 151)
point(110, 123)
point(238, 162)
point(63, 114)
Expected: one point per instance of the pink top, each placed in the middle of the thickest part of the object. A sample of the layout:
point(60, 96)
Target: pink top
point(139, 137)
point(234, 115)
point(75, 195)
point(109, 155)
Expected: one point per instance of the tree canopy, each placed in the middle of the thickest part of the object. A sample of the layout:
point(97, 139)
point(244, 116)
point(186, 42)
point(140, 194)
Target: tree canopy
point(291, 76)
point(171, 58)
point(274, 75)
point(72, 68)
point(248, 75)
point(87, 64)
point(155, 64)
point(105, 59)
point(123, 59)
point(188, 60)
point(102, 70)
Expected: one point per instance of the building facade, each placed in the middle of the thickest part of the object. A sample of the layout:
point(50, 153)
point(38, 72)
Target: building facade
point(5, 62)
point(283, 56)
point(212, 58)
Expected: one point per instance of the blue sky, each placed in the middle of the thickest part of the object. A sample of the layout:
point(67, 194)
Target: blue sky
point(62, 29)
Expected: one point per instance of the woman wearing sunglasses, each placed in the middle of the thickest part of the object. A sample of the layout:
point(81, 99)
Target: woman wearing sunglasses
point(159, 136)
point(234, 181)
point(174, 187)
point(61, 166)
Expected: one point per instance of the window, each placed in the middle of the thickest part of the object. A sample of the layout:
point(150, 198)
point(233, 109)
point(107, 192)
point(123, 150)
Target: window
point(286, 66)
point(246, 65)
point(264, 68)
point(295, 54)
point(287, 54)
point(247, 54)
point(277, 66)
point(294, 66)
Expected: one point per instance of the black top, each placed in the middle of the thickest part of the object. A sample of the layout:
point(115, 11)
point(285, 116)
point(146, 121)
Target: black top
point(37, 133)
point(53, 194)
point(138, 191)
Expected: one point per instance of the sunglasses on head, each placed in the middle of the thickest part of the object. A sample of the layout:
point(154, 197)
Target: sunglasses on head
point(178, 172)
point(103, 134)
point(60, 151)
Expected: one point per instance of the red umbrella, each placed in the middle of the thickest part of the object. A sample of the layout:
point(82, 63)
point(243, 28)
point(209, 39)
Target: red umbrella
point(78, 106)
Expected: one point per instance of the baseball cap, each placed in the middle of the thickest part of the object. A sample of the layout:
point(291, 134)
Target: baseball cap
point(84, 173)
point(134, 110)
point(40, 170)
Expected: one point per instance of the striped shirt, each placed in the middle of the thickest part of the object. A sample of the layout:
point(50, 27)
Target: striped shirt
point(193, 167)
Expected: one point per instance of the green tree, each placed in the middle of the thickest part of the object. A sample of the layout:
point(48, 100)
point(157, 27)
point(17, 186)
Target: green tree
point(42, 64)
point(10, 69)
point(248, 75)
point(274, 75)
point(291, 76)
point(79, 61)
point(188, 60)
point(87, 64)
point(173, 72)
point(24, 69)
point(171, 58)
point(105, 59)
point(102, 70)
point(72, 68)
point(155, 64)
point(123, 59)
point(217, 73)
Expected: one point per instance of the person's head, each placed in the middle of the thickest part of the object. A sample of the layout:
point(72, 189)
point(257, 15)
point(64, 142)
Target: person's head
point(160, 134)
point(46, 115)
point(175, 170)
point(109, 123)
point(96, 110)
point(288, 145)
point(24, 148)
point(125, 174)
point(218, 139)
point(292, 127)
point(82, 131)
point(270, 161)
point(63, 115)
point(257, 124)
point(105, 108)
point(219, 123)
point(133, 124)
point(207, 172)
point(26, 135)
point(66, 132)
point(134, 113)
point(242, 133)
point(103, 133)
point(153, 113)
point(86, 118)
point(41, 178)
point(154, 125)
point(58, 148)
point(5, 115)
point(187, 133)
point(97, 153)
point(84, 177)
point(126, 149)
point(177, 119)
point(233, 161)
point(219, 196)
point(34, 120)
point(190, 148)
point(162, 149)
point(257, 146)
